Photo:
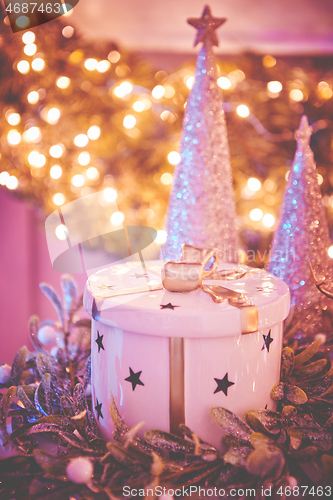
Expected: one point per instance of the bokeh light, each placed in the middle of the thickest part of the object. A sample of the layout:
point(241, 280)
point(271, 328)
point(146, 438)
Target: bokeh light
point(13, 118)
point(274, 86)
point(224, 83)
point(268, 220)
point(254, 184)
point(166, 178)
point(256, 214)
point(13, 137)
point(30, 49)
point(38, 64)
point(110, 195)
point(103, 66)
point(122, 90)
point(158, 92)
point(174, 157)
point(243, 111)
point(23, 67)
point(117, 218)
point(90, 64)
point(56, 151)
point(94, 132)
point(12, 182)
point(77, 180)
point(81, 140)
point(55, 172)
point(59, 199)
point(53, 116)
point(296, 95)
point(92, 173)
point(129, 121)
point(63, 82)
point(161, 237)
point(33, 134)
point(33, 97)
point(84, 158)
point(28, 37)
point(61, 232)
point(36, 159)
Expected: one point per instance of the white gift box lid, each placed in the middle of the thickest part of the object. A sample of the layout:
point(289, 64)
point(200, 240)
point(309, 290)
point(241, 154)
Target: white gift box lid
point(170, 314)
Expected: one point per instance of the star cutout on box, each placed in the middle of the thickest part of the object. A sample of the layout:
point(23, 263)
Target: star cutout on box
point(168, 306)
point(99, 341)
point(223, 384)
point(267, 341)
point(98, 408)
point(134, 378)
point(105, 287)
point(206, 26)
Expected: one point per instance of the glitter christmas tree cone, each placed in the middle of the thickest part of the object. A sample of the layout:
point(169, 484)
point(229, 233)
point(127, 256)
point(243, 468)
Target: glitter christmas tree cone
point(202, 208)
point(302, 235)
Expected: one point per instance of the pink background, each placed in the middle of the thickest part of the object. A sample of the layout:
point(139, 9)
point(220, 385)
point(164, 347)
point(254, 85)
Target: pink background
point(24, 263)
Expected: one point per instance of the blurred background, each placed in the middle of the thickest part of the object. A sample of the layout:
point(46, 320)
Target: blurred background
point(94, 101)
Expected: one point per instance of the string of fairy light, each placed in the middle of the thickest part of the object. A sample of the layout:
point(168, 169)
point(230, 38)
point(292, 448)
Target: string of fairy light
point(165, 99)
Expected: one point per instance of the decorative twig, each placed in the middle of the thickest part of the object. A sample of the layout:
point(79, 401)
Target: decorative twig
point(319, 283)
point(70, 365)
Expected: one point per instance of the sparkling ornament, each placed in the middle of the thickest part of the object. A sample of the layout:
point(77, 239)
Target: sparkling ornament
point(5, 371)
point(46, 335)
point(80, 470)
point(302, 234)
point(202, 207)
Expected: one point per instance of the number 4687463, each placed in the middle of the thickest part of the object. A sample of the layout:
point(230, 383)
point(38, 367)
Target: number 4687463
point(30, 8)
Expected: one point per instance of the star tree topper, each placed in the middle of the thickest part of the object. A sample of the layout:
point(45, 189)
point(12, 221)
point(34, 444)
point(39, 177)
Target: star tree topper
point(206, 26)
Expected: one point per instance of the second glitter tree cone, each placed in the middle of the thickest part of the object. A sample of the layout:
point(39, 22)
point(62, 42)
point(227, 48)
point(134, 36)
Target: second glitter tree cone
point(302, 235)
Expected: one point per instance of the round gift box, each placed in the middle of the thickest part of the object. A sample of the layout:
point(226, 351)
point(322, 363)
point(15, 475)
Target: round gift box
point(169, 357)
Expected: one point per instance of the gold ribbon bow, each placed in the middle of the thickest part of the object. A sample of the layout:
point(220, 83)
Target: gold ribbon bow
point(187, 275)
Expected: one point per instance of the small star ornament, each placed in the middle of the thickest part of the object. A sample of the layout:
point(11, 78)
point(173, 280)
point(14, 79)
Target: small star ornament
point(223, 384)
point(206, 26)
point(99, 341)
point(168, 306)
point(267, 341)
point(134, 379)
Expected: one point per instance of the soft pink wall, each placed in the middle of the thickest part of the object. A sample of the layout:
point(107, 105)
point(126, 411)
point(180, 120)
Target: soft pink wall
point(24, 263)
